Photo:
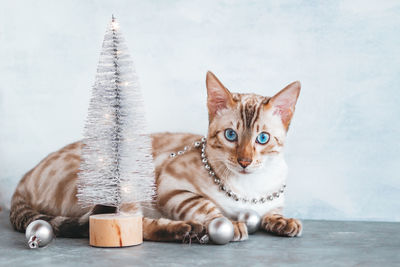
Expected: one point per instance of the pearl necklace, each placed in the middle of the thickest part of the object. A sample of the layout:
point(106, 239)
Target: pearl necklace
point(217, 181)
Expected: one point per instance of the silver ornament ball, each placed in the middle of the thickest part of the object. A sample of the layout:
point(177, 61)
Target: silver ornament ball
point(251, 219)
point(220, 230)
point(39, 233)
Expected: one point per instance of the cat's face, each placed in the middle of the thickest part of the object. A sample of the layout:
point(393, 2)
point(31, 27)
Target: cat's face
point(246, 130)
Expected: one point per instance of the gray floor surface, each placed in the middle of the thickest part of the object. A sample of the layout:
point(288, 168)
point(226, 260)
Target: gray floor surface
point(324, 243)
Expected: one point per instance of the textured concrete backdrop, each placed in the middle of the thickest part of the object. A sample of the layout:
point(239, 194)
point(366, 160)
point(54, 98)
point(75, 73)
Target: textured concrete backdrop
point(343, 146)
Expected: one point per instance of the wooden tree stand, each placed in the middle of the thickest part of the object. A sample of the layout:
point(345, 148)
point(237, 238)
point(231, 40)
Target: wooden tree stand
point(115, 230)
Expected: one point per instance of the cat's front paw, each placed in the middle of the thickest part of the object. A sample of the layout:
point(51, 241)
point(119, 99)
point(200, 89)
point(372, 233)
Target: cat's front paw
point(187, 230)
point(279, 225)
point(240, 231)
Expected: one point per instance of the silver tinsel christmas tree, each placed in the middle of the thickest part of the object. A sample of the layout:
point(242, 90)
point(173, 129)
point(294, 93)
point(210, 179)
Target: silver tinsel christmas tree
point(117, 164)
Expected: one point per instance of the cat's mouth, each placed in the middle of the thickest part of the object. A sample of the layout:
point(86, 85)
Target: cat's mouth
point(240, 170)
point(243, 171)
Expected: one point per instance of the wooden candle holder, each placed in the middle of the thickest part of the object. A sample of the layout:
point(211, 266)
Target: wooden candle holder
point(115, 230)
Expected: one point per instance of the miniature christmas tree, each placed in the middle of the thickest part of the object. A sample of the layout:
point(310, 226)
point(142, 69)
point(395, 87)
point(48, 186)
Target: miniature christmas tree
point(117, 164)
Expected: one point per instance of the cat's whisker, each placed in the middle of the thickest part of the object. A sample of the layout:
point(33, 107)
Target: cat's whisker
point(223, 171)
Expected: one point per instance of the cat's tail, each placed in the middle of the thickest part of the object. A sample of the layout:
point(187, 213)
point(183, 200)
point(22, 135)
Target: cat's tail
point(22, 214)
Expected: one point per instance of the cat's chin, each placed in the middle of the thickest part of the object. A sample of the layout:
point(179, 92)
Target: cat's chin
point(239, 171)
point(243, 172)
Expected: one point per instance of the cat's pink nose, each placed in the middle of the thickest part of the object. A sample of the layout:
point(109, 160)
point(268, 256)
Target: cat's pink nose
point(244, 162)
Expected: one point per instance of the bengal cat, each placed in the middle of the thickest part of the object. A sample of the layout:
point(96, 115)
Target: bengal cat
point(243, 150)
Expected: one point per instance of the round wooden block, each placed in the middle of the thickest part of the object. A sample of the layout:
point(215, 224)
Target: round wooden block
point(115, 230)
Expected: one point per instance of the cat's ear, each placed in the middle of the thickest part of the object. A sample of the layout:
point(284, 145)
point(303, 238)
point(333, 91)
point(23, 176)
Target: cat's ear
point(218, 97)
point(283, 103)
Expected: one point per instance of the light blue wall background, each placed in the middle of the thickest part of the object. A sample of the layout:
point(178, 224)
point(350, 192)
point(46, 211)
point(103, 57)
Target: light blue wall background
point(343, 146)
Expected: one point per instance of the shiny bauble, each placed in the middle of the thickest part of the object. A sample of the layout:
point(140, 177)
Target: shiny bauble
point(251, 219)
point(39, 233)
point(220, 231)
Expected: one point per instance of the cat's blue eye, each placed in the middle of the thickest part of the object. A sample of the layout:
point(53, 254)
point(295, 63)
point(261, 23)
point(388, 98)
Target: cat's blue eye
point(230, 135)
point(262, 138)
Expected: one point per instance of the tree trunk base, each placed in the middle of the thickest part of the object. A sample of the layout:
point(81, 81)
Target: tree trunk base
point(115, 230)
